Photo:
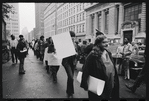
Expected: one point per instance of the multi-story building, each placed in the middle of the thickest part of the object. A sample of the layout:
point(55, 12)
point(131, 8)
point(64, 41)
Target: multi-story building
point(31, 35)
point(62, 17)
point(50, 20)
point(12, 24)
point(25, 33)
point(116, 20)
point(39, 18)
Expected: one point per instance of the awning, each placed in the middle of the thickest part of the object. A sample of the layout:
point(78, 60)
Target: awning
point(141, 35)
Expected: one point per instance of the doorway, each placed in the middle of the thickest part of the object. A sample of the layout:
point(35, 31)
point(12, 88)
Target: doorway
point(128, 35)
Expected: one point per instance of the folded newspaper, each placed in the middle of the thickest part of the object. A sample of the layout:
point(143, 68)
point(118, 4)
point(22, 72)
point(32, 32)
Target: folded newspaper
point(95, 85)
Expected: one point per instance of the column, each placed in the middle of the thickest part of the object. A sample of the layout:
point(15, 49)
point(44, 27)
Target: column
point(88, 25)
point(102, 21)
point(143, 17)
point(92, 24)
point(95, 23)
point(121, 17)
point(112, 21)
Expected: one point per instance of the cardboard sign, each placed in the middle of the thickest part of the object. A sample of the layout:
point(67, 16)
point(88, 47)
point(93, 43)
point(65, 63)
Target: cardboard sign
point(63, 45)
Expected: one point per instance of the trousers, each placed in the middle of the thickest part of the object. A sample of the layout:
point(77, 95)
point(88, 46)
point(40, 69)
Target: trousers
point(14, 54)
point(69, 68)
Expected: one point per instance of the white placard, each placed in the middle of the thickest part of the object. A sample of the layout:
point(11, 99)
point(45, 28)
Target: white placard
point(94, 85)
point(63, 45)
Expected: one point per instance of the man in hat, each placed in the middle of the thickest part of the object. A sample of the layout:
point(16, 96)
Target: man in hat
point(22, 52)
point(13, 45)
point(41, 44)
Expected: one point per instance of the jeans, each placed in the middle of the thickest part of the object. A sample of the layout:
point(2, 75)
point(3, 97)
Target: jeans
point(54, 70)
point(21, 66)
point(69, 67)
point(14, 54)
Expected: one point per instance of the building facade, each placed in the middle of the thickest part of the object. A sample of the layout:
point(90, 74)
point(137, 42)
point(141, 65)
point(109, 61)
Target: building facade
point(116, 20)
point(39, 18)
point(50, 20)
point(12, 24)
point(63, 17)
point(25, 33)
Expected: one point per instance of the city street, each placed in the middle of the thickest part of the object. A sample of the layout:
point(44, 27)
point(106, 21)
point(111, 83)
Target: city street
point(37, 83)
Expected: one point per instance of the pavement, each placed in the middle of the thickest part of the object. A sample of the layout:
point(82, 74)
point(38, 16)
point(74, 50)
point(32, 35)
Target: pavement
point(37, 83)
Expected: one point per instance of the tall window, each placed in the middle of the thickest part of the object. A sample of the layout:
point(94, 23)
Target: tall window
point(92, 16)
point(117, 20)
point(106, 21)
point(83, 28)
point(131, 13)
point(83, 16)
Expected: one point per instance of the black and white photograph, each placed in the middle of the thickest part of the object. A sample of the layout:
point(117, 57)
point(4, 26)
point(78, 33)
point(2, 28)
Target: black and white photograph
point(74, 50)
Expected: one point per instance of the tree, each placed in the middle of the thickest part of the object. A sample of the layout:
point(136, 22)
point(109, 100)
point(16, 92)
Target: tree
point(6, 9)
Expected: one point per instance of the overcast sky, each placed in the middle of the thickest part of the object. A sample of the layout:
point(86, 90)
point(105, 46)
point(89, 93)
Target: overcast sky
point(27, 16)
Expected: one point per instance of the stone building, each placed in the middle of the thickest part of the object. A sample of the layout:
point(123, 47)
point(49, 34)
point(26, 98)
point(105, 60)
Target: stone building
point(116, 20)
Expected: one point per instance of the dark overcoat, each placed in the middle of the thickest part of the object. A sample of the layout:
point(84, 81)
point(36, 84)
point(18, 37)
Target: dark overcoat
point(95, 67)
point(21, 45)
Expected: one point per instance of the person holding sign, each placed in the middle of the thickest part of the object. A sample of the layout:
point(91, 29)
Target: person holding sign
point(53, 61)
point(99, 64)
point(69, 65)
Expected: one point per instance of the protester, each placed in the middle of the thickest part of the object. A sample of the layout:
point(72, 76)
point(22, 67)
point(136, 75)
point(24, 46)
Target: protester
point(22, 52)
point(89, 47)
point(27, 46)
point(46, 54)
point(83, 54)
point(99, 64)
point(127, 50)
point(135, 48)
point(142, 76)
point(119, 58)
point(53, 61)
point(36, 49)
point(13, 46)
point(69, 65)
point(41, 48)
point(78, 51)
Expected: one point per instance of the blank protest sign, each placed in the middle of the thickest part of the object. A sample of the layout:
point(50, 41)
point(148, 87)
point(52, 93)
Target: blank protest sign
point(63, 45)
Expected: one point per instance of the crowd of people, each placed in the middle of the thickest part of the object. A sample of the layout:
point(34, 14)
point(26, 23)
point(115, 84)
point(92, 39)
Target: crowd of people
point(96, 59)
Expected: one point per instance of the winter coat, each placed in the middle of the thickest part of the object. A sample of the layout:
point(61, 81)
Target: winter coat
point(21, 45)
point(95, 67)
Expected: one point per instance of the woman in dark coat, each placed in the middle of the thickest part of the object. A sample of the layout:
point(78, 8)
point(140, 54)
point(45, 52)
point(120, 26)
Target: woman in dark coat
point(99, 64)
